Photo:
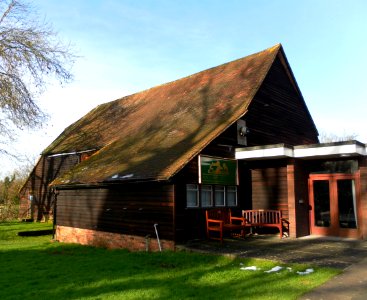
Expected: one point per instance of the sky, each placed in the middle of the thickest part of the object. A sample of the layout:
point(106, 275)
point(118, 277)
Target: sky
point(127, 46)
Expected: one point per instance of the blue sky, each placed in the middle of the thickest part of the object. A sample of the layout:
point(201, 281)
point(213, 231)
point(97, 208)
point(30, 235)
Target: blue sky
point(128, 46)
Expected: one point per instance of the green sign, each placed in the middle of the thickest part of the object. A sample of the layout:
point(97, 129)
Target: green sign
point(218, 171)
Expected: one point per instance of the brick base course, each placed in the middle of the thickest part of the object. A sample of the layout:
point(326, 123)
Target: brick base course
point(110, 240)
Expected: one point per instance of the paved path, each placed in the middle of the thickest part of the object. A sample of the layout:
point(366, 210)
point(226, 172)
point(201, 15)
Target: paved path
point(345, 254)
point(349, 285)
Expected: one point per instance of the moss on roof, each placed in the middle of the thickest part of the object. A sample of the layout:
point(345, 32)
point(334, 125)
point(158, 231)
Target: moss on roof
point(151, 135)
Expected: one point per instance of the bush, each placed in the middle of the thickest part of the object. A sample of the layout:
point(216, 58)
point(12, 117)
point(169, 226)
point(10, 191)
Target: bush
point(9, 196)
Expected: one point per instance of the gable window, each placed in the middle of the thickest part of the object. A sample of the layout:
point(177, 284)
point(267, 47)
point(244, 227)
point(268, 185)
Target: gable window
point(192, 195)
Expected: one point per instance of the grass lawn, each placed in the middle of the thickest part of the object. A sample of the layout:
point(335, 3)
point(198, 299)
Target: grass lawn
point(36, 268)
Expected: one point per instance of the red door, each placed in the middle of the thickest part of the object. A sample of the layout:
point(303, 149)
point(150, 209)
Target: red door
point(334, 204)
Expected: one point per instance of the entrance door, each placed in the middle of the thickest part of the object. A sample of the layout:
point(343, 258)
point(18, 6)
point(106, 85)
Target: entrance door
point(334, 204)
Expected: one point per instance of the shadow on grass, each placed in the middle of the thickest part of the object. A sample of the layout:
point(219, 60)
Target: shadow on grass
point(35, 232)
point(17, 230)
point(60, 271)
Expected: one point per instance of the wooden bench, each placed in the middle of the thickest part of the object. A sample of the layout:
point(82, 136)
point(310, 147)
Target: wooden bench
point(220, 221)
point(265, 218)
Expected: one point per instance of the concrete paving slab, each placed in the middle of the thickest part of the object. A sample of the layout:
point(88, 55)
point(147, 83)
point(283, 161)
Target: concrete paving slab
point(349, 285)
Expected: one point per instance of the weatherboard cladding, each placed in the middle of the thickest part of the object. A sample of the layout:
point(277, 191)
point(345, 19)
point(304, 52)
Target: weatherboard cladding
point(151, 135)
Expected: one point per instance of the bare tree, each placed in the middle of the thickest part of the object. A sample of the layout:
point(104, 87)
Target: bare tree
point(30, 53)
point(327, 137)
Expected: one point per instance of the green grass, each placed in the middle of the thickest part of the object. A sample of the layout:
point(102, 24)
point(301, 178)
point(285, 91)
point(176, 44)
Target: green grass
point(35, 268)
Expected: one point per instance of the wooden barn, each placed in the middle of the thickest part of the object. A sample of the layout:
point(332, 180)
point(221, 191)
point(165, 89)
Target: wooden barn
point(235, 136)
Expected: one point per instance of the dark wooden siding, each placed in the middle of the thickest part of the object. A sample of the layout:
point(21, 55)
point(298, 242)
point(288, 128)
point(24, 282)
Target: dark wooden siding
point(278, 113)
point(130, 209)
point(190, 222)
point(46, 170)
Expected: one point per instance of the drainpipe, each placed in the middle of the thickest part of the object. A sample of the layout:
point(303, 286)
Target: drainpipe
point(159, 242)
point(147, 242)
point(55, 192)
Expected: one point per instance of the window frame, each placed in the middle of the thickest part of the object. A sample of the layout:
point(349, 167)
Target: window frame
point(195, 189)
point(216, 189)
point(199, 189)
point(235, 191)
point(203, 189)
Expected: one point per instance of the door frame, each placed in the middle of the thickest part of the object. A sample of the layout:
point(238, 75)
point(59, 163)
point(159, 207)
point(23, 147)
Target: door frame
point(334, 229)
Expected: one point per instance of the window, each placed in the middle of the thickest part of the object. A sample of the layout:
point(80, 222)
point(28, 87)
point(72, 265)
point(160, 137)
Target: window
point(206, 196)
point(203, 196)
point(231, 195)
point(192, 195)
point(219, 195)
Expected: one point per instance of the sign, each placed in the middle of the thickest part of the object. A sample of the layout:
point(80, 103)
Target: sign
point(215, 170)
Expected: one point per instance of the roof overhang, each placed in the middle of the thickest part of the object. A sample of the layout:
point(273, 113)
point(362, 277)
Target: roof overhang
point(314, 151)
point(264, 152)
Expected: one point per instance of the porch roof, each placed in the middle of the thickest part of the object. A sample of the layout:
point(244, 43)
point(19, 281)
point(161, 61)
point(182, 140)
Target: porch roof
point(315, 151)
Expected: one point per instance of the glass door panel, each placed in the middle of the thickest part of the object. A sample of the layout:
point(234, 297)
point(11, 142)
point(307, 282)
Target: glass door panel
point(334, 204)
point(321, 193)
point(347, 203)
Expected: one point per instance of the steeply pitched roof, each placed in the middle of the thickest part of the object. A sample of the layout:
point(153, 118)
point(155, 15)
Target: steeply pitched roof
point(151, 135)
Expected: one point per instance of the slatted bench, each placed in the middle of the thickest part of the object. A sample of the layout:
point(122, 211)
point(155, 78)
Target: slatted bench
point(265, 218)
point(220, 221)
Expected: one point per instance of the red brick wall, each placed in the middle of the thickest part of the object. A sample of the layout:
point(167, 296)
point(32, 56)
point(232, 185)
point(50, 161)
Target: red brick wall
point(291, 201)
point(109, 239)
point(363, 201)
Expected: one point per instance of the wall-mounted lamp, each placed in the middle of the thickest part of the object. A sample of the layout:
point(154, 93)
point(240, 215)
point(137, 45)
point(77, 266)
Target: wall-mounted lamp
point(243, 131)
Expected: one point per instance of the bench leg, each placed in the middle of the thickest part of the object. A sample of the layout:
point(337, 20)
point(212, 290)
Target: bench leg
point(281, 231)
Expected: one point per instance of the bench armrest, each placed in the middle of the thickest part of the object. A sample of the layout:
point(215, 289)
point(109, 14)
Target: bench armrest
point(243, 220)
point(214, 221)
point(284, 220)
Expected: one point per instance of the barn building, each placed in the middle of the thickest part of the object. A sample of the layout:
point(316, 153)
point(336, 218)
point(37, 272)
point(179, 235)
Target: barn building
point(238, 135)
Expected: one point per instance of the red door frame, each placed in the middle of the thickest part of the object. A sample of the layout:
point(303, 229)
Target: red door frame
point(334, 229)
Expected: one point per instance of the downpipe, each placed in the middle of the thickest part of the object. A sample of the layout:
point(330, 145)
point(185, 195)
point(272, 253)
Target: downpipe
point(158, 240)
point(147, 242)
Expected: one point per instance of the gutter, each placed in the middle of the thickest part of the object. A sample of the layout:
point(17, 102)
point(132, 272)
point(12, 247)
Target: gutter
point(54, 214)
point(71, 153)
point(105, 184)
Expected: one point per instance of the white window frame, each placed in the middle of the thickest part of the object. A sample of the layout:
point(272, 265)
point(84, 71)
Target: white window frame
point(192, 188)
point(206, 188)
point(234, 191)
point(220, 188)
point(212, 189)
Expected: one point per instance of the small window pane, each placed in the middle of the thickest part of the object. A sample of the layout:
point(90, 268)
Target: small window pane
point(231, 195)
point(206, 196)
point(192, 195)
point(219, 195)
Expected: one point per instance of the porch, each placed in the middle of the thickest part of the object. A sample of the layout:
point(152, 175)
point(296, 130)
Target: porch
point(321, 187)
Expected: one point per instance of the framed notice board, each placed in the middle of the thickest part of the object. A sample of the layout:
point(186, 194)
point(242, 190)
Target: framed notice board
point(216, 170)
